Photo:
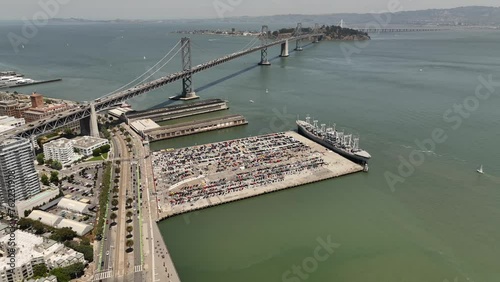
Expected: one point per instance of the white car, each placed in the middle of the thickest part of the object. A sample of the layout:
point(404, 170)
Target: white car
point(107, 253)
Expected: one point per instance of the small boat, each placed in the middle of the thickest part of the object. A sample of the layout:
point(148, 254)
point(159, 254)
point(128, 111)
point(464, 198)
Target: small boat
point(480, 169)
point(267, 90)
point(144, 57)
point(251, 101)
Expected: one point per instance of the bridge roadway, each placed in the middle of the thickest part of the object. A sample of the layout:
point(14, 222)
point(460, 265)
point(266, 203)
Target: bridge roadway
point(38, 128)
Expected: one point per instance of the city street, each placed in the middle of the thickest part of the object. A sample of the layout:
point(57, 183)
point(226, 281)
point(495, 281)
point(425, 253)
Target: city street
point(149, 260)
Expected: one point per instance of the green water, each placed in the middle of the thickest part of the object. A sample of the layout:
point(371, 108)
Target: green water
point(440, 224)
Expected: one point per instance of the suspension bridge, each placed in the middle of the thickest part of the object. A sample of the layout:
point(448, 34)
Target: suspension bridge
point(86, 114)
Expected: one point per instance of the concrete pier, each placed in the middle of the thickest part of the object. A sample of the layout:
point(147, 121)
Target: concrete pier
point(284, 160)
point(32, 83)
point(179, 111)
point(188, 128)
point(284, 49)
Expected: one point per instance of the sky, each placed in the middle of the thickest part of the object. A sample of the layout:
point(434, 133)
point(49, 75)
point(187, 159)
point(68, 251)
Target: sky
point(194, 9)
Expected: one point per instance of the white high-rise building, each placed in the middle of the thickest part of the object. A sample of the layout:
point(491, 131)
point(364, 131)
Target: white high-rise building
point(18, 177)
point(59, 150)
point(31, 250)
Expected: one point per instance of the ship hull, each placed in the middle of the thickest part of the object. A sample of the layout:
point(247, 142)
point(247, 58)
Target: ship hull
point(357, 159)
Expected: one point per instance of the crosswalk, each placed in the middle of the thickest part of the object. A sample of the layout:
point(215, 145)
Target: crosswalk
point(138, 268)
point(103, 275)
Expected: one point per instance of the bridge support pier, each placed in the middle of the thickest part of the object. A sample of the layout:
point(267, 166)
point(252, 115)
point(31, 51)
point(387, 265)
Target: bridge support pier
point(94, 127)
point(284, 50)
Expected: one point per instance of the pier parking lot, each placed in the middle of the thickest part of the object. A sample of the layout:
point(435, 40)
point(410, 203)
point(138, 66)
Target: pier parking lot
point(197, 177)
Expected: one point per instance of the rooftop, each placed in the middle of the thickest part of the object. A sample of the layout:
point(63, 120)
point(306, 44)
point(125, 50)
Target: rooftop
point(38, 196)
point(69, 204)
point(4, 142)
point(26, 242)
point(144, 124)
point(87, 141)
point(59, 143)
point(59, 222)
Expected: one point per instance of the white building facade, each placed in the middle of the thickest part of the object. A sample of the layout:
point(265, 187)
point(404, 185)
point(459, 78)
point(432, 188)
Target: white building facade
point(87, 144)
point(59, 150)
point(32, 250)
point(12, 121)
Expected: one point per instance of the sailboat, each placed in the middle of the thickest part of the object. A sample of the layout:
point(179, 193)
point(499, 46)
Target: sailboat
point(480, 169)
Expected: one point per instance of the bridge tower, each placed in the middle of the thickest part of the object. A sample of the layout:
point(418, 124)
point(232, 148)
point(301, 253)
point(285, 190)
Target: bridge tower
point(264, 36)
point(298, 32)
point(316, 31)
point(187, 82)
point(94, 128)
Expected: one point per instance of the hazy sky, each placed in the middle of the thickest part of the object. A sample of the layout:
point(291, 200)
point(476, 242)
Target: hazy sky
point(169, 9)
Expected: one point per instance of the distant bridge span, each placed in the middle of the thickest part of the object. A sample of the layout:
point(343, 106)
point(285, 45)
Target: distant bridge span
point(38, 128)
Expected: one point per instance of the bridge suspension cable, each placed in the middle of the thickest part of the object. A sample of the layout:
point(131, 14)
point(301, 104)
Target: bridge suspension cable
point(251, 43)
point(150, 69)
point(161, 66)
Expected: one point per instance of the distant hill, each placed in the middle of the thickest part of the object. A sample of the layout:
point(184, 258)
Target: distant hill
point(462, 16)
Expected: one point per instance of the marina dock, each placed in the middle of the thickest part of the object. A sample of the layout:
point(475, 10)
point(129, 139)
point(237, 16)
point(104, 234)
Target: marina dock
point(179, 111)
point(31, 83)
point(203, 176)
point(188, 128)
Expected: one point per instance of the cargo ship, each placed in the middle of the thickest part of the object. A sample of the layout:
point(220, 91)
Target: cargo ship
point(337, 141)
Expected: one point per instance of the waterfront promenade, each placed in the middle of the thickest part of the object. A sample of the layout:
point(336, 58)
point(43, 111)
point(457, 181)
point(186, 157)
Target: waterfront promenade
point(189, 179)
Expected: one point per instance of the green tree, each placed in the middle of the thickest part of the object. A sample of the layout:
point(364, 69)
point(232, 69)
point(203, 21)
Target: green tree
point(114, 202)
point(65, 274)
point(68, 132)
point(48, 162)
point(54, 177)
point(116, 180)
point(96, 152)
point(40, 158)
point(27, 213)
point(117, 170)
point(130, 214)
point(40, 270)
point(129, 243)
point(105, 148)
point(130, 229)
point(62, 235)
point(128, 139)
point(24, 223)
point(113, 216)
point(56, 165)
point(130, 201)
point(84, 247)
point(45, 180)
